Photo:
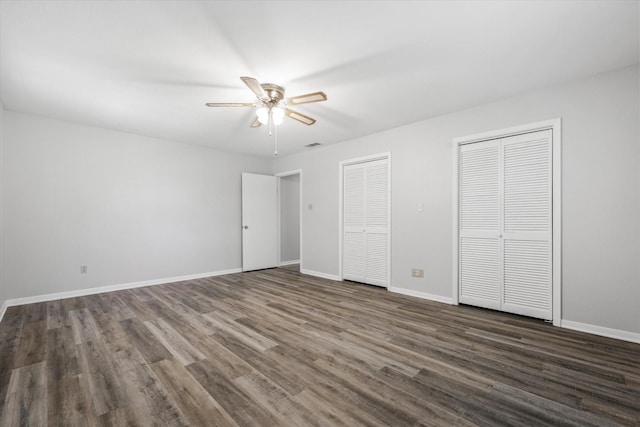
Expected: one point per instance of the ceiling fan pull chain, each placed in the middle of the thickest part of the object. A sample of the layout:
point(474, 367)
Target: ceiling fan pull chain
point(275, 141)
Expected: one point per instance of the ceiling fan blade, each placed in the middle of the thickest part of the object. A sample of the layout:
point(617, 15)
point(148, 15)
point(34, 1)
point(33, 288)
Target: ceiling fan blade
point(256, 123)
point(307, 98)
point(299, 117)
point(230, 104)
point(255, 87)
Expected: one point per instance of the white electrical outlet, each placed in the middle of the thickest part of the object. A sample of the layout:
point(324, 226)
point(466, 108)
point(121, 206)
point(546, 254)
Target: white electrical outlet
point(83, 269)
point(417, 272)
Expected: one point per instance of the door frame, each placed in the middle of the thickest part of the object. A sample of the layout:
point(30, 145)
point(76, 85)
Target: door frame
point(555, 125)
point(279, 176)
point(341, 165)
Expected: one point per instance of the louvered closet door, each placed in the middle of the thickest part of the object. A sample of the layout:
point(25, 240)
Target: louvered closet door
point(480, 269)
point(505, 224)
point(353, 264)
point(376, 223)
point(366, 223)
point(527, 224)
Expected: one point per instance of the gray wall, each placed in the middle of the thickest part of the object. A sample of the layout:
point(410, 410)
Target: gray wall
point(128, 207)
point(601, 194)
point(290, 218)
point(133, 208)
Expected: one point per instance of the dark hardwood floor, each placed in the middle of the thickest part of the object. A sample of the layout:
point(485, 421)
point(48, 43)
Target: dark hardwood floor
point(276, 347)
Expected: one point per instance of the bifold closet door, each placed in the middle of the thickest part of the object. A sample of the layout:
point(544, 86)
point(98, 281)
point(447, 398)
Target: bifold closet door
point(480, 224)
point(527, 216)
point(505, 224)
point(366, 223)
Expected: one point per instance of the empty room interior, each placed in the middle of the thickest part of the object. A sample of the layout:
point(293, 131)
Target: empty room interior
point(320, 213)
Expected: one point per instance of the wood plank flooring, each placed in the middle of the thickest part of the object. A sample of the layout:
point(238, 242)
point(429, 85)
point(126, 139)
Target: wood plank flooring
point(275, 347)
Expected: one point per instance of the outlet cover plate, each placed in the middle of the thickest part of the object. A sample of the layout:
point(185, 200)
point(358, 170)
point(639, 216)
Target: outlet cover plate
point(417, 272)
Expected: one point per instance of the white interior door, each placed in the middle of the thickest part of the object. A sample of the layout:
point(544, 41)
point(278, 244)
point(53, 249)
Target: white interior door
point(259, 221)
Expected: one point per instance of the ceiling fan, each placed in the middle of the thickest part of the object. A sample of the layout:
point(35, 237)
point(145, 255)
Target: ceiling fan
point(273, 105)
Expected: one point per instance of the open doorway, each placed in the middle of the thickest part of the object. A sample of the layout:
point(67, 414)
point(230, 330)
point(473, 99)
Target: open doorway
point(289, 191)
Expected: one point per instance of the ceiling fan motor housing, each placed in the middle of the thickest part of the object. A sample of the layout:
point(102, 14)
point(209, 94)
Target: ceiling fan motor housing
point(274, 92)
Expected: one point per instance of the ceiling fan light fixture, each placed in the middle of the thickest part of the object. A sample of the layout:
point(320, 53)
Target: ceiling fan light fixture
point(263, 115)
point(277, 115)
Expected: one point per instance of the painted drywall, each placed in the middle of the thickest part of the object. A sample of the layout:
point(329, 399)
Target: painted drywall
point(601, 202)
point(290, 218)
point(130, 208)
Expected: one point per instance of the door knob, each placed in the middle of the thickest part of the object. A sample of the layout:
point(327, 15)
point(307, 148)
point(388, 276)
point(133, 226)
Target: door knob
point(245, 227)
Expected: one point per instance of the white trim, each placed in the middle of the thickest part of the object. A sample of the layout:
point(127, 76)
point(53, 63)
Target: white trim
point(279, 176)
point(3, 290)
point(341, 165)
point(365, 159)
point(279, 216)
point(292, 262)
point(287, 173)
point(455, 199)
point(319, 274)
point(111, 288)
point(556, 209)
point(3, 309)
point(602, 331)
point(423, 295)
point(556, 130)
point(503, 133)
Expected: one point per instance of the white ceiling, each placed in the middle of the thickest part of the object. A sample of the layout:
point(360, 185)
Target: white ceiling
point(148, 67)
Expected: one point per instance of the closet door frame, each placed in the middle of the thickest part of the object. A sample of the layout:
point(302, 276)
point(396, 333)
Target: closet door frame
point(555, 125)
point(341, 165)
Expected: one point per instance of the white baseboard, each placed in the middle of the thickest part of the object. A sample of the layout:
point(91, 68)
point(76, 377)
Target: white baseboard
point(3, 309)
point(600, 330)
point(295, 261)
point(423, 295)
point(319, 274)
point(111, 288)
point(568, 324)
